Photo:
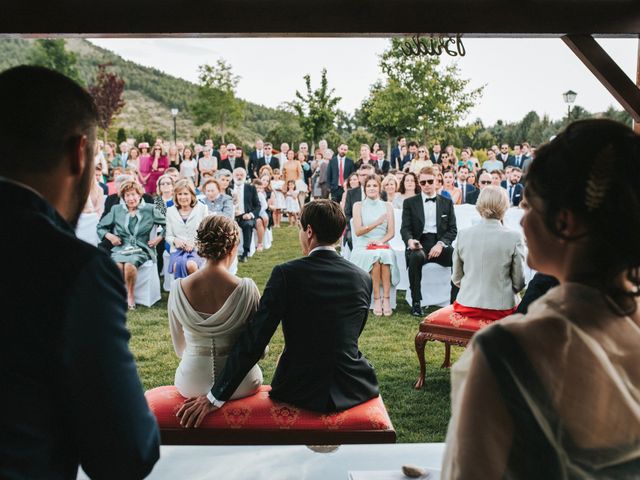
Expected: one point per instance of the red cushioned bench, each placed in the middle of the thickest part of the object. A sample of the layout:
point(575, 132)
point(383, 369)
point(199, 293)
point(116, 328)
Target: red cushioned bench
point(451, 328)
point(259, 420)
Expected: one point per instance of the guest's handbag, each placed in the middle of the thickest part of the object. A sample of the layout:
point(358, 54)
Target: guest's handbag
point(130, 250)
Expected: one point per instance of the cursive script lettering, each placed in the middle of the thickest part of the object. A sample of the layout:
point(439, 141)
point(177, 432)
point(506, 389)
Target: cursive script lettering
point(434, 45)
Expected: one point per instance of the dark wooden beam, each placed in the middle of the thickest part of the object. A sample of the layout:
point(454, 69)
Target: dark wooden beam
point(607, 71)
point(318, 17)
point(636, 124)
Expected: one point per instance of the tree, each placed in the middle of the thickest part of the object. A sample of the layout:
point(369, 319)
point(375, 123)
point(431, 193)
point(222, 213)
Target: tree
point(423, 97)
point(107, 93)
point(316, 110)
point(216, 100)
point(53, 55)
point(121, 136)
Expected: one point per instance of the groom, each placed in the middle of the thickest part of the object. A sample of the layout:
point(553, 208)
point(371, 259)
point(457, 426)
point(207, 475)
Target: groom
point(322, 301)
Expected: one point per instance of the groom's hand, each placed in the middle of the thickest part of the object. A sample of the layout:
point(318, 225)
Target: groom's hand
point(194, 410)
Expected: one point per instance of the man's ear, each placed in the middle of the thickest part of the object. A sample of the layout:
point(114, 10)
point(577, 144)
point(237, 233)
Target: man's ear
point(80, 157)
point(568, 224)
point(309, 232)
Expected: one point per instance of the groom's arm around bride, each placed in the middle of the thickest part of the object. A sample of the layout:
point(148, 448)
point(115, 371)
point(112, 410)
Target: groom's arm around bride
point(323, 302)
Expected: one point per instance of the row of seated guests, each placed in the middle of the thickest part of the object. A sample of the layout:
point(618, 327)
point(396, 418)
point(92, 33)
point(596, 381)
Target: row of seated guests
point(487, 256)
point(130, 218)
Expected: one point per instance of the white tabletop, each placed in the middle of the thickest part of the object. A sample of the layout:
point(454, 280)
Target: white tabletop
point(295, 462)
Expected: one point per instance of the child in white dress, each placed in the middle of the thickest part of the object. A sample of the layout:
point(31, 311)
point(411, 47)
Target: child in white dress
point(277, 185)
point(293, 207)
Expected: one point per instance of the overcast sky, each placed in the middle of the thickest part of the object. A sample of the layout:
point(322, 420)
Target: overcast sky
point(520, 74)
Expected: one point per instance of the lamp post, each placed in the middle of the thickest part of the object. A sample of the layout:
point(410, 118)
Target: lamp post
point(569, 97)
point(174, 114)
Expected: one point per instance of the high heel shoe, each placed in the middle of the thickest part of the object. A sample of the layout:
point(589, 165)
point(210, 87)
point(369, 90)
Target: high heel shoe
point(377, 308)
point(386, 307)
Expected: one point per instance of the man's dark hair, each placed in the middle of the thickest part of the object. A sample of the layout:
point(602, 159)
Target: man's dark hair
point(412, 144)
point(326, 218)
point(400, 138)
point(464, 167)
point(43, 114)
point(519, 145)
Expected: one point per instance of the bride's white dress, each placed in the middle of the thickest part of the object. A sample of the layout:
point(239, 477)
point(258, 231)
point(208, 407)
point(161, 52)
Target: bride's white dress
point(204, 341)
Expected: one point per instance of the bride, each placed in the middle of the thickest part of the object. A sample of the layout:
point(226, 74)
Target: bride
point(209, 309)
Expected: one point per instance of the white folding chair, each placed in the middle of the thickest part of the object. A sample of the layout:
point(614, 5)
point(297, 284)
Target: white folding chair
point(147, 289)
point(435, 286)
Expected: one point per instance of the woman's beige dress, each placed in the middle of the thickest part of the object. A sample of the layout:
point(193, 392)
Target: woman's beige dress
point(203, 341)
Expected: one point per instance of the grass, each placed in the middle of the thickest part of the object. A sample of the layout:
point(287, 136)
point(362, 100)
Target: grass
point(417, 415)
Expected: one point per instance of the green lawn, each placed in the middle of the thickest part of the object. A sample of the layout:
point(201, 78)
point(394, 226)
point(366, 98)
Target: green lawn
point(418, 416)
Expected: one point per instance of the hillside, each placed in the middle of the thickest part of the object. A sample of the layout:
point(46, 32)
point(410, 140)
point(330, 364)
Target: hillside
point(149, 93)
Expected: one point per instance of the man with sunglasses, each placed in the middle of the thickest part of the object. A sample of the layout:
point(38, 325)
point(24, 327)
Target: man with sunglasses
point(428, 229)
point(483, 181)
point(231, 162)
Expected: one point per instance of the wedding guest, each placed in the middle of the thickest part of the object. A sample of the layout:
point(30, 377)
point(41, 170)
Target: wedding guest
point(322, 293)
point(340, 167)
point(100, 180)
point(420, 161)
point(152, 168)
point(488, 282)
point(268, 159)
point(390, 187)
point(373, 227)
point(247, 209)
point(143, 158)
point(111, 186)
point(463, 183)
point(90, 216)
point(319, 178)
point(304, 184)
point(445, 164)
point(293, 171)
point(352, 182)
point(231, 160)
point(217, 202)
point(71, 393)
point(128, 228)
point(365, 157)
point(164, 193)
point(183, 219)
point(173, 156)
point(451, 155)
point(514, 187)
point(409, 186)
point(115, 199)
point(278, 186)
point(207, 163)
point(268, 192)
point(559, 385)
point(122, 157)
point(133, 160)
point(189, 166)
point(382, 166)
point(440, 186)
point(256, 155)
point(496, 178)
point(484, 180)
point(455, 194)
point(203, 341)
point(293, 206)
point(262, 222)
point(428, 230)
point(492, 163)
point(374, 151)
point(225, 178)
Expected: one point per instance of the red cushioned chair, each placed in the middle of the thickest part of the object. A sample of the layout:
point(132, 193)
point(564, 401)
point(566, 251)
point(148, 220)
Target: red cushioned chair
point(451, 328)
point(259, 420)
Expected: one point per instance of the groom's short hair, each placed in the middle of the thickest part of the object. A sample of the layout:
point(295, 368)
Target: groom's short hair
point(326, 218)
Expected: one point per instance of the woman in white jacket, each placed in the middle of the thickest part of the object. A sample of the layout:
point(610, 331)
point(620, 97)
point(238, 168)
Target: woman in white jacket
point(183, 219)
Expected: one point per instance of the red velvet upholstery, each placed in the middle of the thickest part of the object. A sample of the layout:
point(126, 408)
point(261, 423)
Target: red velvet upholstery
point(447, 317)
point(259, 420)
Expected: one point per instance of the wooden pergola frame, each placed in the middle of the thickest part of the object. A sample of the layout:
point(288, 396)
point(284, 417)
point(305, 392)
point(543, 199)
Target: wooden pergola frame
point(576, 22)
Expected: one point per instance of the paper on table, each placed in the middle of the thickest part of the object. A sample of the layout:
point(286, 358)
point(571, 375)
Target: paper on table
point(432, 474)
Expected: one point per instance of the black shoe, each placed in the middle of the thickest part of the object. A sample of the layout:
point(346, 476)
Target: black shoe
point(416, 310)
point(243, 258)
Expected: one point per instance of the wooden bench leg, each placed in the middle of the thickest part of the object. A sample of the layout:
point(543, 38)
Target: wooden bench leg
point(447, 356)
point(420, 342)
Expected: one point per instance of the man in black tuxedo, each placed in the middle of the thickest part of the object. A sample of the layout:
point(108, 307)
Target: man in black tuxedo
point(340, 167)
point(254, 157)
point(70, 391)
point(232, 162)
point(428, 230)
point(514, 187)
point(268, 159)
point(413, 153)
point(247, 211)
point(322, 301)
point(461, 183)
point(396, 154)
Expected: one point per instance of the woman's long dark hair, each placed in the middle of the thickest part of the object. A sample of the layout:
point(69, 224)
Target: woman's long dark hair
point(592, 169)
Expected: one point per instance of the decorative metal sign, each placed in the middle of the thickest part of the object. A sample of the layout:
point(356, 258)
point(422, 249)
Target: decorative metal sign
point(434, 45)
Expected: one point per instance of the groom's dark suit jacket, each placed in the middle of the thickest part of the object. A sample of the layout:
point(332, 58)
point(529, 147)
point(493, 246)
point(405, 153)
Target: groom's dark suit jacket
point(322, 301)
point(70, 389)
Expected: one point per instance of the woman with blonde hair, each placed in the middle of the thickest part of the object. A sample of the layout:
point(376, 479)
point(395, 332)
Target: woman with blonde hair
point(205, 321)
point(183, 219)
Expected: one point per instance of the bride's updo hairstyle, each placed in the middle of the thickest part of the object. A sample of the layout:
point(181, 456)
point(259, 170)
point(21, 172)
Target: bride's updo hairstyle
point(216, 237)
point(592, 169)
